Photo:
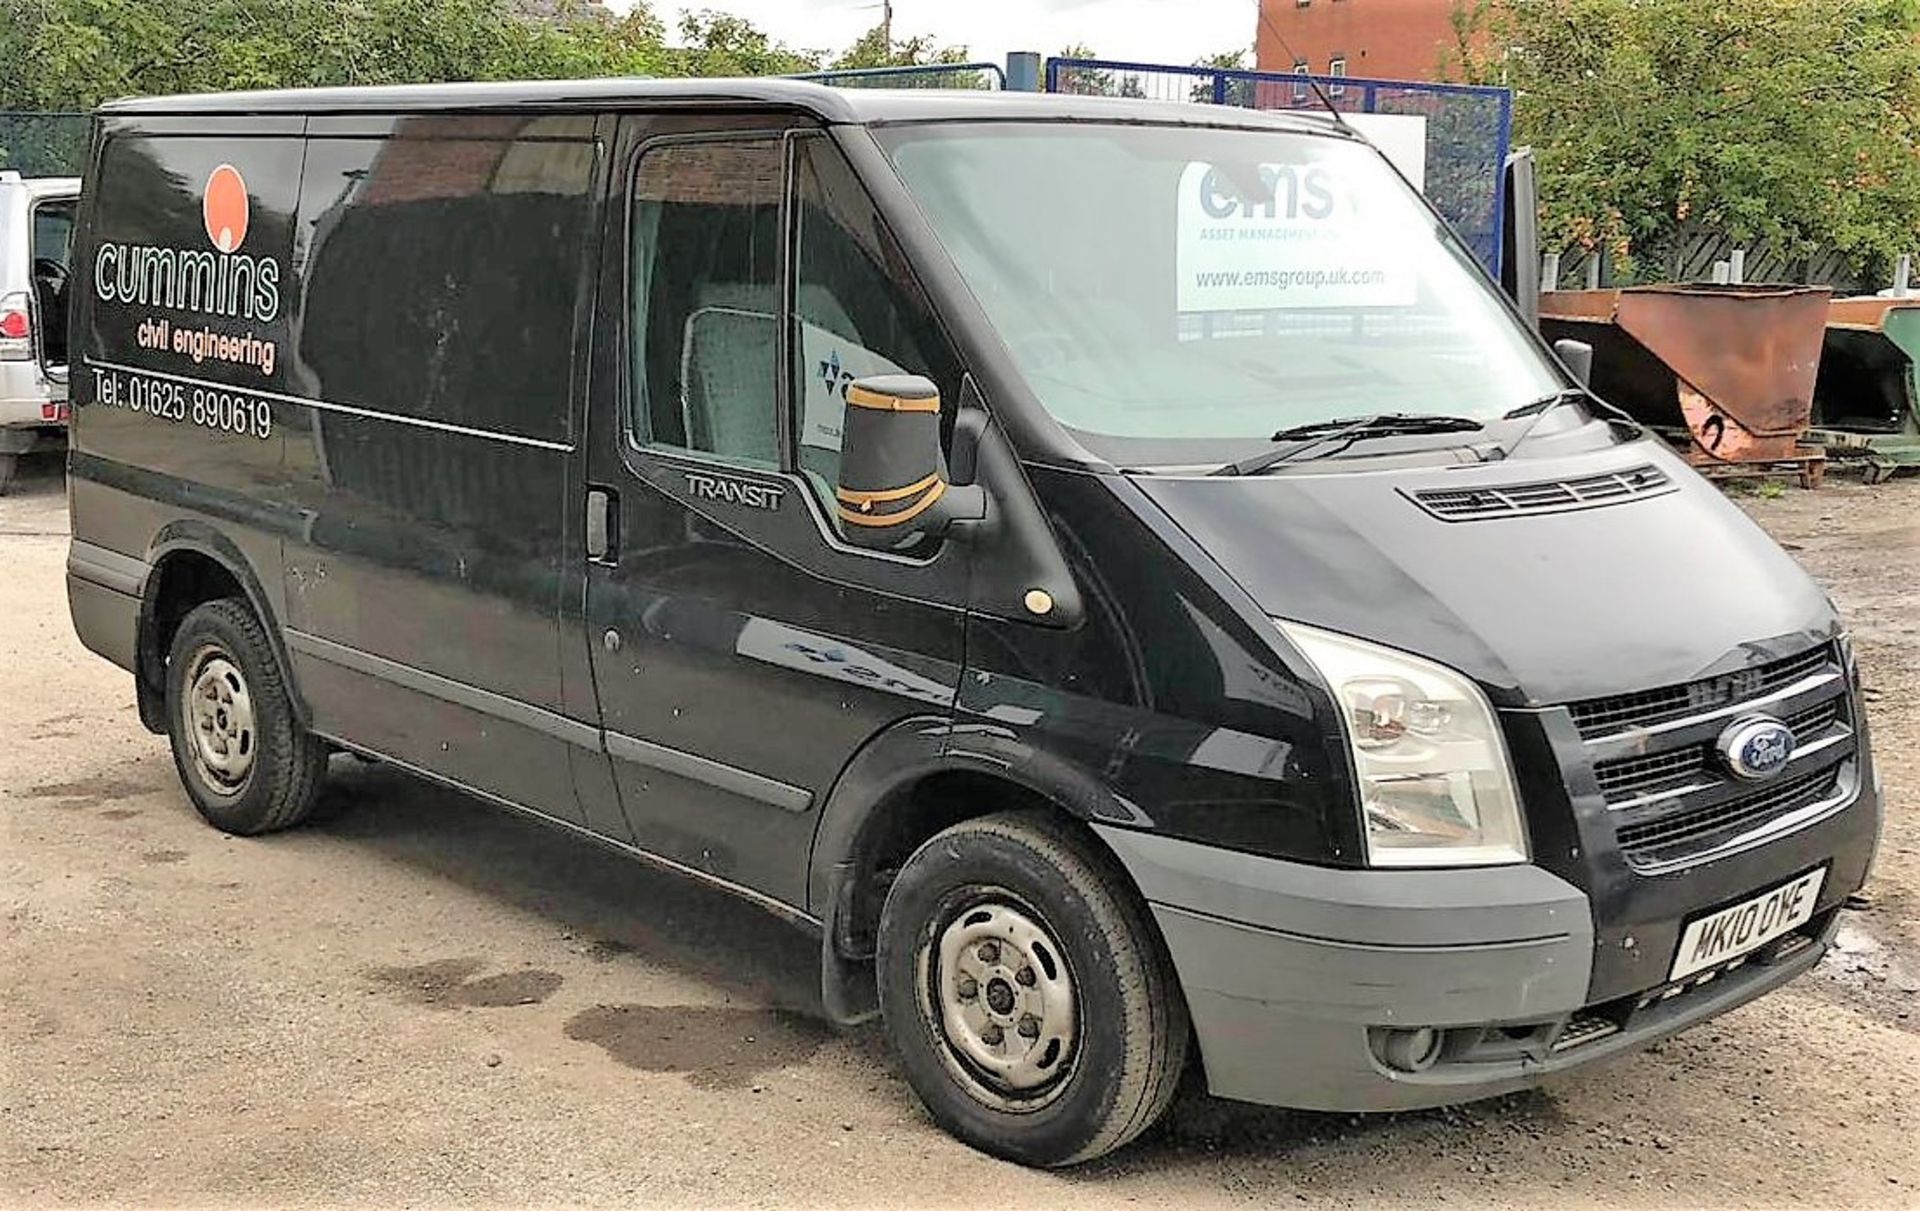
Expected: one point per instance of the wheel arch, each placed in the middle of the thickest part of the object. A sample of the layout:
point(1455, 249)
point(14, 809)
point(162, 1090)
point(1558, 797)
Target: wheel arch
point(190, 563)
point(906, 784)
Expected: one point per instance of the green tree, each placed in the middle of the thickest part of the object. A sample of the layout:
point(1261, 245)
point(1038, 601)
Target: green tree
point(720, 44)
point(71, 55)
point(1771, 121)
point(1096, 81)
point(871, 50)
point(1237, 92)
point(1085, 81)
point(74, 54)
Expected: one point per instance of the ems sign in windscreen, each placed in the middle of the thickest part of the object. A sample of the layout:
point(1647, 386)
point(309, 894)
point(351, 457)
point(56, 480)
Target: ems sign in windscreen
point(1175, 295)
point(1259, 237)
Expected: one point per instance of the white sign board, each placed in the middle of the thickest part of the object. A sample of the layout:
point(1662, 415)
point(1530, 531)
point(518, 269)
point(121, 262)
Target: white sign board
point(1402, 138)
point(1283, 236)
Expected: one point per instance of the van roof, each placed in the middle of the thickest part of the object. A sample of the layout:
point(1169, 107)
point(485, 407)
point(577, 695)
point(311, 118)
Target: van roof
point(833, 105)
point(42, 187)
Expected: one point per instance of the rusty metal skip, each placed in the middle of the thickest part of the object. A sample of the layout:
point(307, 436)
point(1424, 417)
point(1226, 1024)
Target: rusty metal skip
point(1740, 362)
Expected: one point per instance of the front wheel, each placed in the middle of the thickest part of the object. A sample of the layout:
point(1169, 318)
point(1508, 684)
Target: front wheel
point(1029, 998)
point(247, 764)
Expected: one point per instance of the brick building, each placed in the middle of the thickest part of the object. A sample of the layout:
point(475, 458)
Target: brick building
point(1382, 39)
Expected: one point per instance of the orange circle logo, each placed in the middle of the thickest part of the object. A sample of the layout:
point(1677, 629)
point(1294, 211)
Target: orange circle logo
point(225, 208)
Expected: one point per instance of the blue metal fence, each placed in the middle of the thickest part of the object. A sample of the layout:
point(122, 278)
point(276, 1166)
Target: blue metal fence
point(1469, 128)
point(976, 76)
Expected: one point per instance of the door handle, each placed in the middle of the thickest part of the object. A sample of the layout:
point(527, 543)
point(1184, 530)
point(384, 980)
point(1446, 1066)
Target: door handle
point(602, 525)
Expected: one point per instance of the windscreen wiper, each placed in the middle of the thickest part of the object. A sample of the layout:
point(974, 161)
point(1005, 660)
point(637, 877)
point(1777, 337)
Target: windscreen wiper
point(1547, 403)
point(1327, 437)
point(1541, 408)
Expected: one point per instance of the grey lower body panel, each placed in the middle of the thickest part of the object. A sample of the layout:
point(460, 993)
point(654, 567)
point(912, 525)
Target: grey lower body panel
point(125, 574)
point(103, 598)
point(1308, 1047)
point(1285, 1020)
point(1291, 971)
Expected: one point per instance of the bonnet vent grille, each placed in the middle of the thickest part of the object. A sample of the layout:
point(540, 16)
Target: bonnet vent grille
point(1544, 496)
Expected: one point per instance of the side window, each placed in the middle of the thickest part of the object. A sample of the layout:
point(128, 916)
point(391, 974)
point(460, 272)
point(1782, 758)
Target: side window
point(52, 252)
point(704, 293)
point(53, 231)
point(857, 309)
point(442, 267)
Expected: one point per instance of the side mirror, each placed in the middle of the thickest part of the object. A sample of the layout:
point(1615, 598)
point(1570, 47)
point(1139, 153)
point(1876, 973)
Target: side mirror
point(1577, 356)
point(893, 491)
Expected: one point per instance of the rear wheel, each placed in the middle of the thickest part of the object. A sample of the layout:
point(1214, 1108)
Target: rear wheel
point(246, 763)
point(1030, 1000)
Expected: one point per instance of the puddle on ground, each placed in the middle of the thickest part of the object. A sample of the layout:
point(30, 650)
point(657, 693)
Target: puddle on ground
point(85, 792)
point(451, 983)
point(53, 729)
point(606, 950)
point(714, 1046)
point(1873, 973)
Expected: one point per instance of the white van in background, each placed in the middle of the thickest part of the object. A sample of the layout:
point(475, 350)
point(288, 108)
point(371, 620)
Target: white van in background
point(36, 246)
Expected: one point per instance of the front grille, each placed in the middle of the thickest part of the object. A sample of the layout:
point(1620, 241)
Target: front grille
point(1814, 720)
point(1542, 496)
point(1670, 797)
point(1585, 1028)
point(1624, 712)
point(1626, 777)
point(1690, 829)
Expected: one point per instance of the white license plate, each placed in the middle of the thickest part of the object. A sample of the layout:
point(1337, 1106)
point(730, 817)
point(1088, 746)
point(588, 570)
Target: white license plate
point(1748, 925)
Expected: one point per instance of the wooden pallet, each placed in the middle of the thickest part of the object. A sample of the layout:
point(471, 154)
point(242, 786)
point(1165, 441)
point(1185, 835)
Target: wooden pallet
point(1810, 469)
point(1809, 466)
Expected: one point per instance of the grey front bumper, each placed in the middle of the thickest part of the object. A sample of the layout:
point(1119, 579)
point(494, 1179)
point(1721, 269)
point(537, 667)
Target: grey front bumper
point(1290, 970)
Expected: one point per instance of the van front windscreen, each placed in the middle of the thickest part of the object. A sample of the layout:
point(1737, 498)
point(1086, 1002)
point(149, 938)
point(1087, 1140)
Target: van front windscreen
point(1176, 295)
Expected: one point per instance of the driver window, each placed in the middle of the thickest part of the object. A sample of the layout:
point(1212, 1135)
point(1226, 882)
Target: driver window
point(857, 310)
point(705, 297)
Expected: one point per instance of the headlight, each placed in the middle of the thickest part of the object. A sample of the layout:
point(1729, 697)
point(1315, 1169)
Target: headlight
point(1436, 788)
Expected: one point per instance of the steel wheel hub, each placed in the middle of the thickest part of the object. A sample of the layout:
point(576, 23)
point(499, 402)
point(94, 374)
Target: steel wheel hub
point(219, 722)
point(1005, 999)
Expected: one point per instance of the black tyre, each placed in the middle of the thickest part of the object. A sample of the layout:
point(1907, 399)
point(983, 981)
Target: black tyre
point(247, 765)
point(1026, 992)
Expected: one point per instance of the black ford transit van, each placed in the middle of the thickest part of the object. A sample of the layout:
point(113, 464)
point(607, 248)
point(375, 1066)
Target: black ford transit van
point(1118, 574)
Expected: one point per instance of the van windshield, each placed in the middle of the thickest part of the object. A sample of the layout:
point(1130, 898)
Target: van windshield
point(1175, 295)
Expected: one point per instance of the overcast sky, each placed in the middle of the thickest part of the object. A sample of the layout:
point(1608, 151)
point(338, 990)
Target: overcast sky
point(1151, 31)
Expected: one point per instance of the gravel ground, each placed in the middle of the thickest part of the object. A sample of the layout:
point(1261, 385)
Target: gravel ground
point(422, 1001)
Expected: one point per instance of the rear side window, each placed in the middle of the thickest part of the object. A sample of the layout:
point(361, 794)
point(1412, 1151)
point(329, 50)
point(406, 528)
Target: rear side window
point(53, 231)
point(53, 274)
point(443, 272)
point(704, 293)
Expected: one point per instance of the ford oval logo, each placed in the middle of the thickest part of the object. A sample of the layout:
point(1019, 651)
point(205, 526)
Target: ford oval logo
point(1756, 747)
